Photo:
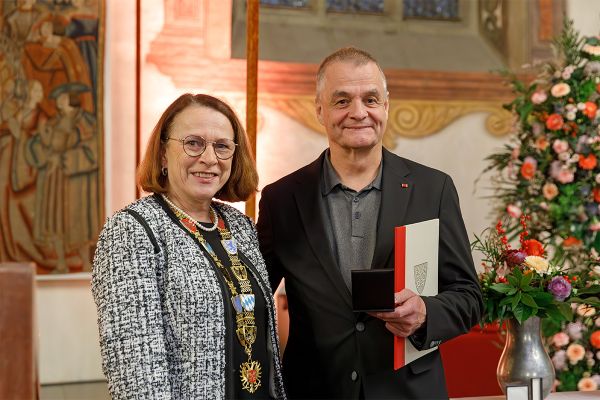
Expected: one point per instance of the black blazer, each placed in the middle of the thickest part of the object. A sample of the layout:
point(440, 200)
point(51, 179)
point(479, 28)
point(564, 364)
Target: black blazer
point(333, 352)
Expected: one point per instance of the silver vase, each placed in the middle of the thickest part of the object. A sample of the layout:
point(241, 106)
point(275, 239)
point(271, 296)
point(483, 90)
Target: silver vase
point(524, 356)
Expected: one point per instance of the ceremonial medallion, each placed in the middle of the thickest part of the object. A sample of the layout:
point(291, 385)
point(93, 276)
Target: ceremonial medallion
point(229, 245)
point(250, 372)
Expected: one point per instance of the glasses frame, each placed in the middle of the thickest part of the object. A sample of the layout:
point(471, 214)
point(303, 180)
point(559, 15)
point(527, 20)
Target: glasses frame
point(207, 142)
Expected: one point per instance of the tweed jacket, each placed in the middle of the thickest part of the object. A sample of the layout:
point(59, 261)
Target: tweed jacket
point(166, 327)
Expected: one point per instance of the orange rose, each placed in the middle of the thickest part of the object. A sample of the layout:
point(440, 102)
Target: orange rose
point(590, 109)
point(528, 170)
point(595, 339)
point(571, 241)
point(596, 193)
point(554, 122)
point(588, 162)
point(533, 248)
point(541, 143)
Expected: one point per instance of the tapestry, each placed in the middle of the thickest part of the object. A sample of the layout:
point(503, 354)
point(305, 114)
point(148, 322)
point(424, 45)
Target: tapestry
point(51, 148)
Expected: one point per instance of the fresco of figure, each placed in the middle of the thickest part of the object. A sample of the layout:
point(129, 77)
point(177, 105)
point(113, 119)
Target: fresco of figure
point(55, 59)
point(65, 154)
point(17, 178)
point(83, 29)
point(19, 21)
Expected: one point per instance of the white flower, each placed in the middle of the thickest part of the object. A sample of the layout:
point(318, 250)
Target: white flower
point(571, 116)
point(537, 263)
point(581, 106)
point(566, 74)
point(564, 156)
point(586, 311)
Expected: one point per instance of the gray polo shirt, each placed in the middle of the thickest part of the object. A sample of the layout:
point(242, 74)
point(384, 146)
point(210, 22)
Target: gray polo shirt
point(353, 219)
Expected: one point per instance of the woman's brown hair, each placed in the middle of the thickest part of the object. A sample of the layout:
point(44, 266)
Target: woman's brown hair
point(243, 180)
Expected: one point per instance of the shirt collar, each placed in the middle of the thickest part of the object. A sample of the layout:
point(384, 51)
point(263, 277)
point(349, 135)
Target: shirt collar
point(331, 178)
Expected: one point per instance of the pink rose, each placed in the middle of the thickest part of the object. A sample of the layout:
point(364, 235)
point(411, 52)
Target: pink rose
point(565, 176)
point(514, 211)
point(560, 146)
point(560, 90)
point(586, 385)
point(575, 353)
point(550, 191)
point(595, 227)
point(560, 339)
point(538, 97)
point(591, 49)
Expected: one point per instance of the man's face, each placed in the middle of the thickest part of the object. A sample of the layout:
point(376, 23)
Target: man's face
point(353, 105)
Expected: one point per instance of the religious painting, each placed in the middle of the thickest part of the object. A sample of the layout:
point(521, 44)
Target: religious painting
point(51, 150)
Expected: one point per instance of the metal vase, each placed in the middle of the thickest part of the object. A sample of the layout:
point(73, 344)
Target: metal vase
point(524, 356)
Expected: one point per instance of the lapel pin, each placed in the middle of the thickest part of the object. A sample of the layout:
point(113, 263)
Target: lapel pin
point(405, 185)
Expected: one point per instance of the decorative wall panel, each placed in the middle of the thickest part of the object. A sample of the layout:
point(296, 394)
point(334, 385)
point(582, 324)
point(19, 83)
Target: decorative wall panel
point(353, 6)
point(51, 194)
point(431, 9)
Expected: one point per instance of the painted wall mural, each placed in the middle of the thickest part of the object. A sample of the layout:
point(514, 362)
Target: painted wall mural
point(51, 192)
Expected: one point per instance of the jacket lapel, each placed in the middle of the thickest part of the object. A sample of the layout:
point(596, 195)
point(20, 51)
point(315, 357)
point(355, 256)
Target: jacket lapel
point(395, 196)
point(312, 214)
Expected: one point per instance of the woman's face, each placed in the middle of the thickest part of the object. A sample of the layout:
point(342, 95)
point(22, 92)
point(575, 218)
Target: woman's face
point(195, 180)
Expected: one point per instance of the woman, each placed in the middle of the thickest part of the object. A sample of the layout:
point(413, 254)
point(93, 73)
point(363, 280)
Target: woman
point(184, 305)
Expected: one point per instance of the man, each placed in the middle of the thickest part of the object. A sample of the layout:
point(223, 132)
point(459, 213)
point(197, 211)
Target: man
point(339, 213)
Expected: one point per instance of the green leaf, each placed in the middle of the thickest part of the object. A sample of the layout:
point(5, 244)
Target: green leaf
point(553, 312)
point(501, 287)
point(566, 311)
point(506, 300)
point(528, 300)
point(589, 290)
point(517, 273)
point(542, 298)
point(513, 280)
point(519, 313)
point(516, 299)
point(525, 281)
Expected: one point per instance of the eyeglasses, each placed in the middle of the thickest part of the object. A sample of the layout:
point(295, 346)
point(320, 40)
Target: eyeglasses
point(194, 146)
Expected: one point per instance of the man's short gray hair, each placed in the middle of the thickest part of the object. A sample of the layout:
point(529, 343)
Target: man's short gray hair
point(347, 54)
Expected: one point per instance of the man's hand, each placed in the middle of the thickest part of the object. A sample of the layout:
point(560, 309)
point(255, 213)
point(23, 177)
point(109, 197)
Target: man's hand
point(408, 316)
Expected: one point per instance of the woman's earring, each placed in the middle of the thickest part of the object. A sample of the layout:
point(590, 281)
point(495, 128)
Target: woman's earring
point(163, 171)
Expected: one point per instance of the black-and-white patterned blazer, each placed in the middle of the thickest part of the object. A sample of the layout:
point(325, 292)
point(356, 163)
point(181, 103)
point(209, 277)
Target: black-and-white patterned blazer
point(161, 309)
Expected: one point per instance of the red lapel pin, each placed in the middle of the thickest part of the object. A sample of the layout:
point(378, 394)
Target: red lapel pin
point(405, 185)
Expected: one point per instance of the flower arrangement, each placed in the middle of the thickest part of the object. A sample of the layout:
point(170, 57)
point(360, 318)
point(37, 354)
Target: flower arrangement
point(521, 283)
point(548, 177)
point(550, 169)
point(575, 352)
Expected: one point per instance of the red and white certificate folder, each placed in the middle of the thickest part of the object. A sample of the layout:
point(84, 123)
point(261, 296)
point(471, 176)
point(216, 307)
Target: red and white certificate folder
point(416, 268)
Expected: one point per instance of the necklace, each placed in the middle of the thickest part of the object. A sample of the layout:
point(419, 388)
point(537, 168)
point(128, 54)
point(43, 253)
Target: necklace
point(243, 303)
point(215, 216)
